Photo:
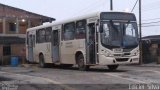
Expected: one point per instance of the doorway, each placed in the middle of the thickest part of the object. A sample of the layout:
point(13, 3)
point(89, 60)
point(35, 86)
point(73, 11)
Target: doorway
point(91, 39)
point(55, 46)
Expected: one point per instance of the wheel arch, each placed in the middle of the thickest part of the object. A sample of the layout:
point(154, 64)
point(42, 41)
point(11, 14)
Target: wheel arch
point(77, 54)
point(41, 53)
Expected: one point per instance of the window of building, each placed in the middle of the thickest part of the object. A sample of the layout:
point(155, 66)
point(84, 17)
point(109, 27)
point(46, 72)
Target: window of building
point(1, 27)
point(12, 27)
point(81, 29)
point(69, 31)
point(6, 50)
point(48, 34)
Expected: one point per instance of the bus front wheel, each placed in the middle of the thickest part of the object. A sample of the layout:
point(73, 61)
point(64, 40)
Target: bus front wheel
point(112, 67)
point(81, 64)
point(41, 61)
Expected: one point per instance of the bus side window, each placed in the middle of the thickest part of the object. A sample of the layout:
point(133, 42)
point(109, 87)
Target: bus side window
point(34, 40)
point(41, 35)
point(62, 33)
point(69, 31)
point(37, 36)
point(80, 29)
point(48, 34)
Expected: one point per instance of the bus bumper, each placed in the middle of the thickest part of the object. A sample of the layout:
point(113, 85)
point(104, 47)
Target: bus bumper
point(123, 60)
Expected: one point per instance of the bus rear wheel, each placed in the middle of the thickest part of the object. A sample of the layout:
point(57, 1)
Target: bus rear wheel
point(81, 64)
point(113, 67)
point(41, 61)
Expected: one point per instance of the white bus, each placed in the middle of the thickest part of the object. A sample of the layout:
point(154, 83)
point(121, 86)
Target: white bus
point(103, 38)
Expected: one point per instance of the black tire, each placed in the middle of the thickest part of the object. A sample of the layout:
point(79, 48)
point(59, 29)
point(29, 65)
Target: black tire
point(113, 67)
point(81, 65)
point(41, 61)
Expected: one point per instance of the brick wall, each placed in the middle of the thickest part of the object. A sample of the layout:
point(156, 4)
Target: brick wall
point(22, 28)
point(18, 49)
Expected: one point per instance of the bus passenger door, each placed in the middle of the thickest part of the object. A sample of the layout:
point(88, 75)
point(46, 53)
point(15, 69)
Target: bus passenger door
point(31, 45)
point(91, 41)
point(55, 46)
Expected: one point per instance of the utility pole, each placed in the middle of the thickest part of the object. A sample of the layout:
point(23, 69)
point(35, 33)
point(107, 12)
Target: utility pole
point(111, 5)
point(140, 32)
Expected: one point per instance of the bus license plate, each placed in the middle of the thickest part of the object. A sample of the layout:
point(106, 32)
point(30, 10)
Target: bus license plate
point(118, 50)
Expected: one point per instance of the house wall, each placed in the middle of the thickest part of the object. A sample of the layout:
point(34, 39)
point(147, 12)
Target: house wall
point(13, 15)
point(150, 52)
point(22, 28)
point(18, 49)
point(154, 52)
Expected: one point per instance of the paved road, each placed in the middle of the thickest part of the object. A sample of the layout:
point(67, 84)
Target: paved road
point(97, 78)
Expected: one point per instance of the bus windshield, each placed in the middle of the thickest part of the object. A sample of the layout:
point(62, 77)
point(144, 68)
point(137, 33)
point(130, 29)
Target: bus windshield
point(119, 34)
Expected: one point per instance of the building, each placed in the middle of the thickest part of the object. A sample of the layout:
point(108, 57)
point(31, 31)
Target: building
point(151, 49)
point(13, 25)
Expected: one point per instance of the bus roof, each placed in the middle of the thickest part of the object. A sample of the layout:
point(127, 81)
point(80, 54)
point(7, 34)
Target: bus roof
point(95, 14)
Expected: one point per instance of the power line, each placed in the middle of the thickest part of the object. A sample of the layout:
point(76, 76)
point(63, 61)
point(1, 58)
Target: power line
point(134, 6)
point(150, 19)
point(150, 6)
point(152, 22)
point(151, 26)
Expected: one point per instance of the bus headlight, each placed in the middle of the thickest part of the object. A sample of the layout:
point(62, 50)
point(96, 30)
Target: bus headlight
point(135, 53)
point(108, 54)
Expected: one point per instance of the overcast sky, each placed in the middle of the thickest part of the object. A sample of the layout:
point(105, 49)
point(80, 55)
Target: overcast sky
point(64, 9)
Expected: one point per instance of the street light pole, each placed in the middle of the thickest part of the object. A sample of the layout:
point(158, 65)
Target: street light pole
point(111, 5)
point(140, 31)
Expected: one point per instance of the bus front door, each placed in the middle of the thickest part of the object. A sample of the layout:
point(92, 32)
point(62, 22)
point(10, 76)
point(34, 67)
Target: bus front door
point(91, 39)
point(55, 46)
